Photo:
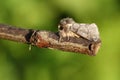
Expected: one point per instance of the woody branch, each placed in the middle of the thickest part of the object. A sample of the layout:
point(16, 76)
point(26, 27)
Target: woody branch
point(47, 39)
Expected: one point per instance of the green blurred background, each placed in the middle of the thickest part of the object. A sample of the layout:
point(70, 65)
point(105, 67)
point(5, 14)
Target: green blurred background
point(18, 63)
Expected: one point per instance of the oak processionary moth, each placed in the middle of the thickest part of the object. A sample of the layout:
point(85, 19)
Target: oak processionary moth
point(69, 28)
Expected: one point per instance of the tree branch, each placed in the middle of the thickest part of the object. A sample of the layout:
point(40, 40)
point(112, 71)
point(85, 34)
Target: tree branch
point(47, 39)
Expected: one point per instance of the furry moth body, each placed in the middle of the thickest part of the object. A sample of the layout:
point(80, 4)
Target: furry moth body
point(69, 28)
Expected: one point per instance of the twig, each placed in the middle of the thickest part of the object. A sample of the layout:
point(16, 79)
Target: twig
point(47, 39)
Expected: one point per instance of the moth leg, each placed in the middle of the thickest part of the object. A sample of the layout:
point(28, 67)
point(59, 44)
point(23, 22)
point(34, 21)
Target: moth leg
point(68, 38)
point(60, 36)
point(77, 36)
point(60, 39)
point(71, 34)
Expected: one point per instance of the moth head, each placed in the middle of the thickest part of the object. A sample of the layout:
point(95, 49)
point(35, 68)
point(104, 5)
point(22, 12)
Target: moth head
point(65, 23)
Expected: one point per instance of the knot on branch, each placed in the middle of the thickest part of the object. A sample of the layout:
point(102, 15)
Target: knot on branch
point(37, 40)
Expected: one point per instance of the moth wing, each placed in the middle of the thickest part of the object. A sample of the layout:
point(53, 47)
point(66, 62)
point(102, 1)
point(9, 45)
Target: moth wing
point(88, 31)
point(93, 31)
point(74, 28)
point(83, 30)
point(79, 29)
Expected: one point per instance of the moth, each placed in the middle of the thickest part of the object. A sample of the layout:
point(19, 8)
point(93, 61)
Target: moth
point(69, 28)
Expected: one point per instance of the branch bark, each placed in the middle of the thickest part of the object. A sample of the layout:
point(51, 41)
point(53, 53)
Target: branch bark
point(47, 39)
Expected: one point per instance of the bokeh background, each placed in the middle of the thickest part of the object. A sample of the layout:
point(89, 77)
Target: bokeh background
point(18, 63)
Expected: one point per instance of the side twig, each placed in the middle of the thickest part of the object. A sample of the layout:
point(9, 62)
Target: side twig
point(47, 39)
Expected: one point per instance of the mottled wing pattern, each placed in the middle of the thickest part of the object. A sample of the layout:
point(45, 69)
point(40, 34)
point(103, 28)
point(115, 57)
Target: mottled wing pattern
point(88, 31)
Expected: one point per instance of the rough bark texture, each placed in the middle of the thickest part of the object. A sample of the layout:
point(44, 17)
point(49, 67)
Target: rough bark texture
point(47, 39)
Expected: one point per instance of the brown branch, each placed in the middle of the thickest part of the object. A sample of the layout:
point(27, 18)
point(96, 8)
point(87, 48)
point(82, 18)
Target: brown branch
point(47, 39)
